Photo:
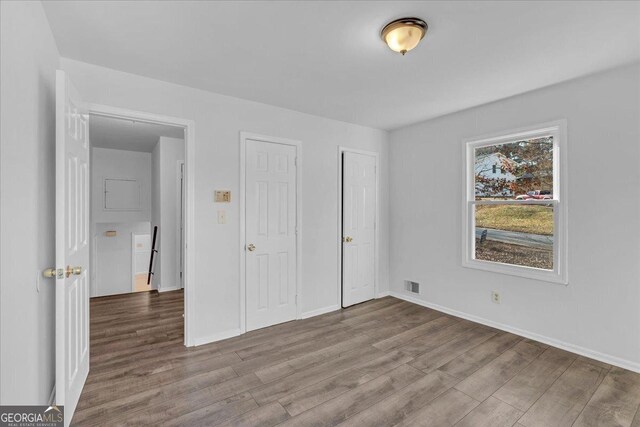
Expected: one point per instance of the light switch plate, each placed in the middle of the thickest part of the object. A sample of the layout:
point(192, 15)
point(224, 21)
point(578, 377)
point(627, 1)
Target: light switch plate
point(222, 217)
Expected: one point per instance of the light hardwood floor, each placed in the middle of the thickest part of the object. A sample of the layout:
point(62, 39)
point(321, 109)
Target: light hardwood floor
point(140, 283)
point(385, 362)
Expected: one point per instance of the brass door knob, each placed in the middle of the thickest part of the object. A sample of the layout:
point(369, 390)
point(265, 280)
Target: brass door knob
point(50, 273)
point(251, 247)
point(347, 239)
point(73, 270)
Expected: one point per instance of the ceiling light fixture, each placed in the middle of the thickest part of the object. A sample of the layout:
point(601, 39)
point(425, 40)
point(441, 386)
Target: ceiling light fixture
point(404, 34)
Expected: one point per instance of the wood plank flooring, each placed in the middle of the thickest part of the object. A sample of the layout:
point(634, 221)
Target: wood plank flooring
point(382, 363)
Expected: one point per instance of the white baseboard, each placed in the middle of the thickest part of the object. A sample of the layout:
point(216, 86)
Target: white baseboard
point(217, 337)
point(236, 332)
point(606, 358)
point(319, 311)
point(331, 308)
point(172, 288)
point(52, 396)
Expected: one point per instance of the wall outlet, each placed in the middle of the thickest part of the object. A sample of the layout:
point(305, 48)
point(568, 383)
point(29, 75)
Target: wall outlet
point(495, 297)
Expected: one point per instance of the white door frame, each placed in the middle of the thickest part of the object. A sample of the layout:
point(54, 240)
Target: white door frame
point(376, 238)
point(244, 136)
point(189, 142)
point(180, 214)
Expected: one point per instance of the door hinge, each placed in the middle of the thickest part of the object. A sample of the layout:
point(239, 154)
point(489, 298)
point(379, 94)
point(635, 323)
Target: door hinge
point(295, 161)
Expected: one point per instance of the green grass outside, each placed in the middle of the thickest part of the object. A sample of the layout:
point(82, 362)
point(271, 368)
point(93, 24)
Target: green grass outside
point(525, 218)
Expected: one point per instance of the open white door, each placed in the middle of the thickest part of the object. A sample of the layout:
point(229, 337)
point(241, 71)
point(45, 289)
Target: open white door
point(359, 207)
point(72, 245)
point(270, 215)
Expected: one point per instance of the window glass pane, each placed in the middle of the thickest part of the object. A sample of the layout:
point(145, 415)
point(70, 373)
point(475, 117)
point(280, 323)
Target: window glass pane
point(520, 170)
point(515, 234)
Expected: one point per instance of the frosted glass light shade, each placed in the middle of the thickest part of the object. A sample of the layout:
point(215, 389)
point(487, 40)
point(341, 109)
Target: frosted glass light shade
point(404, 34)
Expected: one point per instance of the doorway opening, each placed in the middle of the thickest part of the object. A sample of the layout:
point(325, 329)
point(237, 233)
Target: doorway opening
point(139, 206)
point(358, 213)
point(125, 323)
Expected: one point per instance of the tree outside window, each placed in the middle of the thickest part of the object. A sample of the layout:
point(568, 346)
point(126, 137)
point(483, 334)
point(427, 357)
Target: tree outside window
point(515, 219)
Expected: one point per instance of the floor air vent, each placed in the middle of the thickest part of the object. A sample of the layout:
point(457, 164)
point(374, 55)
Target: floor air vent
point(412, 286)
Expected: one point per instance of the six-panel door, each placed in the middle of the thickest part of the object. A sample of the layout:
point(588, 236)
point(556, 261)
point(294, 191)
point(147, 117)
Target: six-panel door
point(359, 206)
point(270, 233)
point(72, 245)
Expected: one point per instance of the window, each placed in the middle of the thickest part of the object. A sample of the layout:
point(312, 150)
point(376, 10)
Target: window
point(515, 222)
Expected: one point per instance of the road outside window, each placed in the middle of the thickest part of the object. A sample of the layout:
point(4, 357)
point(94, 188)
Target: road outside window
point(514, 211)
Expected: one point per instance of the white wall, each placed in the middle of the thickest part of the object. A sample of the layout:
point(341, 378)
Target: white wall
point(218, 123)
point(28, 60)
point(114, 266)
point(108, 273)
point(168, 152)
point(156, 212)
point(108, 163)
point(599, 311)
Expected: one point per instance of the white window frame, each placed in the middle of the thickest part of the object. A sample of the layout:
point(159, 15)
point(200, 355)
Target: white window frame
point(557, 129)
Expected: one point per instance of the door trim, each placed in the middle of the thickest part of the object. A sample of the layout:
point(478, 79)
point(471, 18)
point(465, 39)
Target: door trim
point(189, 142)
point(180, 214)
point(376, 237)
point(244, 136)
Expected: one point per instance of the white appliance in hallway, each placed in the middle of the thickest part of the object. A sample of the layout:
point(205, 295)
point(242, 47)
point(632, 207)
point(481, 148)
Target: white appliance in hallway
point(359, 208)
point(72, 246)
point(271, 246)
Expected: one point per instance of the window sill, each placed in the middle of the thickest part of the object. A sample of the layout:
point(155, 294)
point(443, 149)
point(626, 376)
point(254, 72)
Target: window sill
point(518, 271)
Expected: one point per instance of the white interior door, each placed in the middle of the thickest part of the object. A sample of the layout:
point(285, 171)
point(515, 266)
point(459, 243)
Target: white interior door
point(72, 245)
point(359, 207)
point(270, 203)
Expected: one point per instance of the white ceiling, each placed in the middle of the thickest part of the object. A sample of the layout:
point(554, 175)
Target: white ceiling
point(118, 134)
point(326, 58)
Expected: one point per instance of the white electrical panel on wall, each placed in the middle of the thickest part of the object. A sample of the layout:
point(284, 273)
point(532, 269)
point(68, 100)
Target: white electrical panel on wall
point(121, 194)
